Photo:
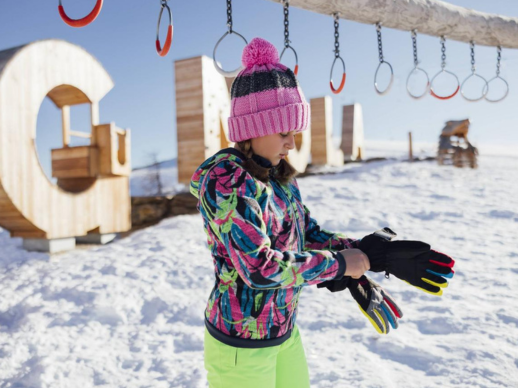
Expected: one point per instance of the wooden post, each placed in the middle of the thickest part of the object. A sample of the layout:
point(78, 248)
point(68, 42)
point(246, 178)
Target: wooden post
point(352, 132)
point(323, 151)
point(410, 155)
point(65, 116)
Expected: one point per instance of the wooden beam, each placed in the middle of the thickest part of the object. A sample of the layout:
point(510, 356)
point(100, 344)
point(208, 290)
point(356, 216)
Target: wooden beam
point(65, 118)
point(80, 134)
point(429, 17)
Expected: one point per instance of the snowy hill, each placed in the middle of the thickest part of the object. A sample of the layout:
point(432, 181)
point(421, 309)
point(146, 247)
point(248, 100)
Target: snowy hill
point(130, 314)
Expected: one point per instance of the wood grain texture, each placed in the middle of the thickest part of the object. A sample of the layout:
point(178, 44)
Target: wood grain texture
point(430, 17)
point(323, 151)
point(202, 111)
point(352, 132)
point(31, 206)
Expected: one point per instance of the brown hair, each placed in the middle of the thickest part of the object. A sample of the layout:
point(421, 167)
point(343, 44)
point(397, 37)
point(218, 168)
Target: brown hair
point(284, 172)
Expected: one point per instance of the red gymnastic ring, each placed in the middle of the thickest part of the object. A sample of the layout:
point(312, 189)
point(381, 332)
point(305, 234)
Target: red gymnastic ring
point(84, 21)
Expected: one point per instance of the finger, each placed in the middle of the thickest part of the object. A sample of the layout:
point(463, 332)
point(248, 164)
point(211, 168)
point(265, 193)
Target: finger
point(390, 315)
point(384, 318)
point(439, 269)
point(441, 259)
point(366, 263)
point(435, 280)
point(448, 275)
point(375, 320)
point(426, 287)
point(392, 304)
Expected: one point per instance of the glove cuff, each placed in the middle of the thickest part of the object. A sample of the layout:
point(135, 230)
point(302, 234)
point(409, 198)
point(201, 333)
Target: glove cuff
point(341, 265)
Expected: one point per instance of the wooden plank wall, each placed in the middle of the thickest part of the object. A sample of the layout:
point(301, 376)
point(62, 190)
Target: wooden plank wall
point(352, 132)
point(323, 151)
point(202, 111)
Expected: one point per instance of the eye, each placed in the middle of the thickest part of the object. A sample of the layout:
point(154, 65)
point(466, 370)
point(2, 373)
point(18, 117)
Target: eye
point(284, 134)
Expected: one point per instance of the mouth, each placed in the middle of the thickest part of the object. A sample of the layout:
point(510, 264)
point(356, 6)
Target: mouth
point(283, 155)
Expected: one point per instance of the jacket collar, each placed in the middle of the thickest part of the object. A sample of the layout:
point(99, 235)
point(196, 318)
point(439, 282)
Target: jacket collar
point(263, 162)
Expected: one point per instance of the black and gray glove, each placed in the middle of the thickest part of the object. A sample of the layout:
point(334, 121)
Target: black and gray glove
point(411, 261)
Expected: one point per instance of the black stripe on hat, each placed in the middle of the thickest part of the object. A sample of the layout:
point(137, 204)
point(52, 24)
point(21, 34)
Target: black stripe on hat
point(262, 81)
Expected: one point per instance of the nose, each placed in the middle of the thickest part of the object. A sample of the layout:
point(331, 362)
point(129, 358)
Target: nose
point(290, 141)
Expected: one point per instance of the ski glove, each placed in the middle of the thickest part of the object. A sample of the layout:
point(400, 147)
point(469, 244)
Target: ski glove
point(411, 261)
point(374, 302)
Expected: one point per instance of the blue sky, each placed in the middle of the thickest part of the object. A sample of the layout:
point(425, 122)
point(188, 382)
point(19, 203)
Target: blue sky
point(143, 98)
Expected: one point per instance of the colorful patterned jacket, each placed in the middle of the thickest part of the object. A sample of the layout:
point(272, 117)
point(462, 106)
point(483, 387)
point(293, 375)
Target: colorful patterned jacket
point(265, 247)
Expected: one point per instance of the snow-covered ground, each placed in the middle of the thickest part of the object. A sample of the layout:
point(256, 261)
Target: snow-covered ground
point(130, 314)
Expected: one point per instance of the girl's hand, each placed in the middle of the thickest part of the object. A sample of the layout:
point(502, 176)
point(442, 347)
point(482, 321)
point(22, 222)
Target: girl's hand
point(357, 262)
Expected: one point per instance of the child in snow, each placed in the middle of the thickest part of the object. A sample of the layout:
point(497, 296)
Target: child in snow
point(265, 245)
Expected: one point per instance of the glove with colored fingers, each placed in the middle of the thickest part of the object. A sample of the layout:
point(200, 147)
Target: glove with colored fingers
point(376, 304)
point(411, 261)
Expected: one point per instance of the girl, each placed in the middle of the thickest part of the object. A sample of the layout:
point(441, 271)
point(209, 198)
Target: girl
point(265, 245)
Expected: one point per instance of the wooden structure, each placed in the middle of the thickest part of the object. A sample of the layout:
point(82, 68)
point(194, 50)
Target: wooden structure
point(323, 151)
point(410, 150)
point(91, 197)
point(202, 111)
point(299, 156)
point(352, 133)
point(430, 17)
point(454, 146)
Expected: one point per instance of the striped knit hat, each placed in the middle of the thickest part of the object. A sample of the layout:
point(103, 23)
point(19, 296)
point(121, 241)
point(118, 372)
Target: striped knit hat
point(265, 97)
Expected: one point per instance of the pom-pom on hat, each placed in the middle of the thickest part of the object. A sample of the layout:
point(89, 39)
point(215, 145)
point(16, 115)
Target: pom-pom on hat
point(259, 52)
point(265, 96)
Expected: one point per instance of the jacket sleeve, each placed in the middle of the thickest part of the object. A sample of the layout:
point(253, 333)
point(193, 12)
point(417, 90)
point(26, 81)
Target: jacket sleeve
point(318, 238)
point(231, 201)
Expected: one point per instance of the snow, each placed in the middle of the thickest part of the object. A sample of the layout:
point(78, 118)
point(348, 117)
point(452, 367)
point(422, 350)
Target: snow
point(130, 313)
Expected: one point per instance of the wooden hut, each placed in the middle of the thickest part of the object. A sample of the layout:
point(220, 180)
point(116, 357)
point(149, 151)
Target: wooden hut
point(91, 198)
point(454, 146)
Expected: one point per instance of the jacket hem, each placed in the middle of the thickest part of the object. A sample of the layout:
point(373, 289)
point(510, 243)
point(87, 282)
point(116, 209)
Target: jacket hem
point(245, 342)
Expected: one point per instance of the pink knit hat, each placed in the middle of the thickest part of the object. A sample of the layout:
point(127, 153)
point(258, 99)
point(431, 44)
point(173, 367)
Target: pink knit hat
point(265, 97)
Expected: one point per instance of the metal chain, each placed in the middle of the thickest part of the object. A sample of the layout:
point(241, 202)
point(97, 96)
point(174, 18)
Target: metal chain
point(498, 57)
point(472, 48)
point(229, 16)
point(337, 35)
point(443, 49)
point(414, 44)
point(286, 23)
point(163, 3)
point(380, 47)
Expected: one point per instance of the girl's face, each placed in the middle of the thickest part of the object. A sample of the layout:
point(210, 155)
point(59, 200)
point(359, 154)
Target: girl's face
point(274, 147)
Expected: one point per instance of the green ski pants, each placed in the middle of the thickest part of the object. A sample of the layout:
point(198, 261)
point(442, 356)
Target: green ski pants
point(281, 366)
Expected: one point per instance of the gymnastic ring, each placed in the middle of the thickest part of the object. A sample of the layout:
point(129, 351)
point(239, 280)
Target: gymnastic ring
point(417, 97)
point(484, 91)
point(83, 21)
point(444, 97)
point(231, 73)
point(169, 39)
point(342, 83)
point(381, 93)
point(487, 86)
point(296, 58)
